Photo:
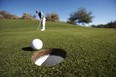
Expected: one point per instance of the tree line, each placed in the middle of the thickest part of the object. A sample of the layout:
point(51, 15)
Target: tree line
point(111, 24)
point(7, 15)
point(49, 16)
point(80, 16)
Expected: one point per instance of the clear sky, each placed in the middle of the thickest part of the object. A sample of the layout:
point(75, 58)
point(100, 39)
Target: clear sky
point(103, 10)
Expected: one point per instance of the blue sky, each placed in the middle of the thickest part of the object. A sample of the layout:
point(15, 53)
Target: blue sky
point(103, 10)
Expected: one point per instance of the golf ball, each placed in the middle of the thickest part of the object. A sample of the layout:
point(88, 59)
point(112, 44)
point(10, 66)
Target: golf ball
point(36, 44)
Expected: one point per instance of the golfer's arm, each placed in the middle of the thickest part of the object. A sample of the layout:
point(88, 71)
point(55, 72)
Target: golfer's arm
point(41, 19)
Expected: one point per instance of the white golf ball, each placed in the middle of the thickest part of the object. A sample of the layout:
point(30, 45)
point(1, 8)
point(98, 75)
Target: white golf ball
point(37, 44)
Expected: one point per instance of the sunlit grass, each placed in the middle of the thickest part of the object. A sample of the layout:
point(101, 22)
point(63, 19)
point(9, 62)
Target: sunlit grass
point(91, 52)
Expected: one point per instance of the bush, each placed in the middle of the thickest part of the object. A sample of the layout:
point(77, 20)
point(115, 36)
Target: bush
point(52, 17)
point(71, 22)
point(26, 16)
point(6, 15)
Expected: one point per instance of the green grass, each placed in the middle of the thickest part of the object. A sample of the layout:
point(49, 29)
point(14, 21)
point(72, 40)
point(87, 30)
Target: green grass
point(91, 52)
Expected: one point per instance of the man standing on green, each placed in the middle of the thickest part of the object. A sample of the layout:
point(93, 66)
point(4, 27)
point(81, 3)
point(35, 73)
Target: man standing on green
point(42, 20)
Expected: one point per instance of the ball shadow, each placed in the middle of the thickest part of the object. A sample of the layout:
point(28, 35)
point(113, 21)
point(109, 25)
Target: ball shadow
point(27, 49)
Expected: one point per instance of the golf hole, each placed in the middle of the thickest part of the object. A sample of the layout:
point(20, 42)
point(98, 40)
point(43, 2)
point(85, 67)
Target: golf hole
point(48, 57)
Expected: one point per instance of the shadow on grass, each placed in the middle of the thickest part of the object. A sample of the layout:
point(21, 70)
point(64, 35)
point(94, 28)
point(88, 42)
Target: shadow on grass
point(27, 49)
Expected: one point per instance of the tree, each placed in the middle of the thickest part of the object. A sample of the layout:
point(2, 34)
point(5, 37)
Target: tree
point(52, 17)
point(80, 16)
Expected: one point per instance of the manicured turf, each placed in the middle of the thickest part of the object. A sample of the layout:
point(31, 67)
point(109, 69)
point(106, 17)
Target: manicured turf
point(91, 52)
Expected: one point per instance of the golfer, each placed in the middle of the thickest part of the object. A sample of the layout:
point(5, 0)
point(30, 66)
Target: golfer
point(42, 20)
